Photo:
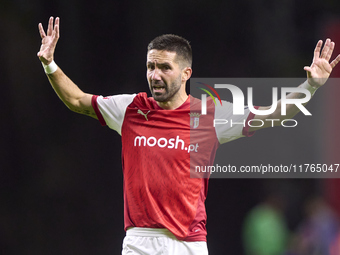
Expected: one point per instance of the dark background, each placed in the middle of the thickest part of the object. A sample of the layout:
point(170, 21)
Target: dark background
point(60, 173)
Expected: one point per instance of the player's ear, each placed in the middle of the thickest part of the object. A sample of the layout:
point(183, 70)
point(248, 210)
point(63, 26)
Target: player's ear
point(186, 73)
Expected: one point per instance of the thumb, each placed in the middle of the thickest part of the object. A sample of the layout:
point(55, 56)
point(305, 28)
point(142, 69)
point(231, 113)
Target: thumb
point(39, 54)
point(307, 68)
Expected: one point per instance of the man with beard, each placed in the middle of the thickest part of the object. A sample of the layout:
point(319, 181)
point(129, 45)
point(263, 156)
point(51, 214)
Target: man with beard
point(164, 211)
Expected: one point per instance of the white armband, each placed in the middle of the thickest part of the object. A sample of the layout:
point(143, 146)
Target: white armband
point(51, 68)
point(310, 88)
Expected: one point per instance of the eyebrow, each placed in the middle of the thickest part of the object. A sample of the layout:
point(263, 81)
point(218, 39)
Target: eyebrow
point(159, 64)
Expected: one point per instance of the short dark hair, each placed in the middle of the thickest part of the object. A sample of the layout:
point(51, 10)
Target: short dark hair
point(173, 43)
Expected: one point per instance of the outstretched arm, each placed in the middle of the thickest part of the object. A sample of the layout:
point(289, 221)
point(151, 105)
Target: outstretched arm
point(74, 98)
point(317, 75)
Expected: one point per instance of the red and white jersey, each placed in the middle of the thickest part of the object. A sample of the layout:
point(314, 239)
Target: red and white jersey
point(158, 148)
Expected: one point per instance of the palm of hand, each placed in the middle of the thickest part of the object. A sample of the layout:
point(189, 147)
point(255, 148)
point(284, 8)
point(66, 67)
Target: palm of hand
point(49, 41)
point(46, 51)
point(321, 69)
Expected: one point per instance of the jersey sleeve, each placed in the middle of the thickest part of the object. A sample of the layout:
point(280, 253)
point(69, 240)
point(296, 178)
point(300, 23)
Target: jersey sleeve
point(234, 126)
point(111, 110)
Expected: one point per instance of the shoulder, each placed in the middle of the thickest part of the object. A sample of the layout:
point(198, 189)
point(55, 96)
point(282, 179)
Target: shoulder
point(142, 101)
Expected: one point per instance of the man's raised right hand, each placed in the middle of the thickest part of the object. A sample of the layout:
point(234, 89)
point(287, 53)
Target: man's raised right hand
point(49, 41)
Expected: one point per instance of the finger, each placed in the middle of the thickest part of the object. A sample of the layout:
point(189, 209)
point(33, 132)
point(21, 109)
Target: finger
point(307, 68)
point(317, 50)
point(40, 54)
point(57, 21)
point(41, 31)
point(335, 61)
point(54, 38)
point(50, 26)
point(56, 26)
point(330, 51)
point(55, 35)
point(325, 49)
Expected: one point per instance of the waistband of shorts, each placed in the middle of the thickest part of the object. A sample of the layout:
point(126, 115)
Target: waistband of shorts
point(149, 232)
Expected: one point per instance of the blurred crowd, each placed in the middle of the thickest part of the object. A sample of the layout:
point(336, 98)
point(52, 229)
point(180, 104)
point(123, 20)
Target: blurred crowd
point(266, 232)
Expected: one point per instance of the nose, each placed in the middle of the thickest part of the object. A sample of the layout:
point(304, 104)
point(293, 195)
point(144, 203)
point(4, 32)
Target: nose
point(155, 75)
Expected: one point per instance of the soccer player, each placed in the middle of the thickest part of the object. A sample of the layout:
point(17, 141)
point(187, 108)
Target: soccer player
point(164, 211)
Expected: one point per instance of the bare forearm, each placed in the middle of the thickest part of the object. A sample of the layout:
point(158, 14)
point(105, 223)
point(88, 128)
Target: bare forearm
point(67, 91)
point(292, 109)
point(317, 75)
point(288, 106)
point(74, 98)
point(71, 95)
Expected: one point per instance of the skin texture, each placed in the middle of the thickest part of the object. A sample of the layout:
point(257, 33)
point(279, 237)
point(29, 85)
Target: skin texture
point(166, 78)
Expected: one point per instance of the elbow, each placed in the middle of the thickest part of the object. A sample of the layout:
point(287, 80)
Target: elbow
point(73, 107)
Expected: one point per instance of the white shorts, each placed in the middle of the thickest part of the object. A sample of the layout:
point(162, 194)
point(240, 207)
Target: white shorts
point(159, 241)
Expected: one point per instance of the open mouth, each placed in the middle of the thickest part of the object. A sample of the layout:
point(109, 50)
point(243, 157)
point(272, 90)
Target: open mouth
point(158, 89)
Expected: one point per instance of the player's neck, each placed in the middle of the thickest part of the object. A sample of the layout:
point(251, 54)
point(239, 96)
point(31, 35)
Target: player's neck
point(174, 103)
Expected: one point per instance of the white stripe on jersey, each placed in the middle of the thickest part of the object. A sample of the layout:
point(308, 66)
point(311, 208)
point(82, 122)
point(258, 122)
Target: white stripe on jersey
point(113, 109)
